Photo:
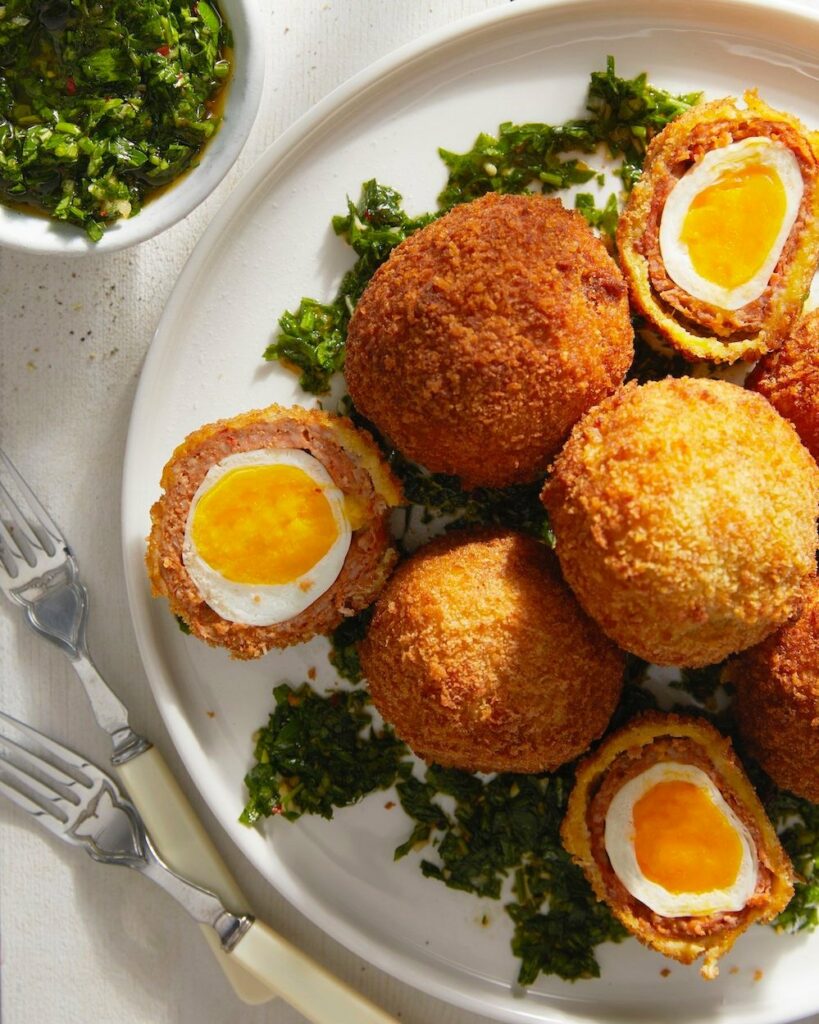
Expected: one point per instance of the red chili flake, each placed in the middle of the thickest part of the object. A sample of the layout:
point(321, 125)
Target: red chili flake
point(70, 86)
point(163, 50)
point(103, 213)
point(368, 215)
point(277, 809)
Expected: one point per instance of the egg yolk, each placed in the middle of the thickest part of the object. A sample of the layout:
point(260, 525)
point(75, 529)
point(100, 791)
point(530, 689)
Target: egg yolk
point(682, 840)
point(264, 524)
point(731, 226)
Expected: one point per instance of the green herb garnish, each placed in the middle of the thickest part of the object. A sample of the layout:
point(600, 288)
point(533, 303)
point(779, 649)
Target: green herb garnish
point(317, 753)
point(797, 822)
point(628, 112)
point(522, 156)
point(344, 641)
point(100, 104)
point(517, 507)
point(605, 219)
point(312, 337)
point(510, 825)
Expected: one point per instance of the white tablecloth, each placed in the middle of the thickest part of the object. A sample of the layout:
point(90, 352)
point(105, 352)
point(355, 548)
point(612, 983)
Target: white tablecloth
point(81, 942)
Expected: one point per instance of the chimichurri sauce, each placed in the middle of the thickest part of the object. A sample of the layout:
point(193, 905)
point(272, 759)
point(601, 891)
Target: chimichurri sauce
point(101, 103)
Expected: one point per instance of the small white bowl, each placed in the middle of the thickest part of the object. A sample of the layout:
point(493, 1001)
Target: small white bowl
point(45, 236)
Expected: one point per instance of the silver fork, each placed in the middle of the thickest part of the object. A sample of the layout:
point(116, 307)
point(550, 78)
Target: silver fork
point(83, 805)
point(39, 572)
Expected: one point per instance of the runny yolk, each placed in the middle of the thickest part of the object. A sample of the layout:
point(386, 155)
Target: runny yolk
point(263, 524)
point(731, 226)
point(683, 841)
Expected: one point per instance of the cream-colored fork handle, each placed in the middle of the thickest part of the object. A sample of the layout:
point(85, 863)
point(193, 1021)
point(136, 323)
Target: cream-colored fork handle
point(313, 991)
point(188, 849)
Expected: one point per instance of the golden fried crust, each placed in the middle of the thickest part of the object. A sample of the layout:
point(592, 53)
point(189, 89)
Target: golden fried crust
point(789, 379)
point(683, 939)
point(777, 700)
point(481, 659)
point(486, 335)
point(685, 517)
point(352, 459)
point(697, 329)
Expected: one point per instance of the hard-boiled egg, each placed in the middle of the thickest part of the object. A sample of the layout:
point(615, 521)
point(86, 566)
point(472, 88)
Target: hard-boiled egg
point(266, 535)
point(677, 846)
point(727, 219)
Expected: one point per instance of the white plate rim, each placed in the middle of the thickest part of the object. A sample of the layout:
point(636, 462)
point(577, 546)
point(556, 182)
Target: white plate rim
point(275, 157)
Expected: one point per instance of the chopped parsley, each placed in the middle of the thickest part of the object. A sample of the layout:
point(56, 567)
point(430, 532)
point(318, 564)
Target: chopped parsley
point(312, 337)
point(626, 114)
point(605, 219)
point(317, 753)
point(797, 822)
point(344, 650)
point(510, 825)
point(101, 104)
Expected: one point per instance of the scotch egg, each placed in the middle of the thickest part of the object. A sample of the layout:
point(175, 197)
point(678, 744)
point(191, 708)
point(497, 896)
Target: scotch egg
point(718, 240)
point(273, 526)
point(672, 837)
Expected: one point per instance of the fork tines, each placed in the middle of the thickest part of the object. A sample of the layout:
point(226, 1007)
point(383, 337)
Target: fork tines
point(44, 786)
point(26, 528)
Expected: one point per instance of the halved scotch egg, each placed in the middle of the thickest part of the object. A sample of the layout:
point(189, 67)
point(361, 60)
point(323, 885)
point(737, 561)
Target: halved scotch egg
point(672, 836)
point(718, 241)
point(273, 526)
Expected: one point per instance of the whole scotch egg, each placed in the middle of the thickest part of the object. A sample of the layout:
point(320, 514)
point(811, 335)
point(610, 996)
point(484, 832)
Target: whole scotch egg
point(273, 526)
point(718, 241)
point(672, 836)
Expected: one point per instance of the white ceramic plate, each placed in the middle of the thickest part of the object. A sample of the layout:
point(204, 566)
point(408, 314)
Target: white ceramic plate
point(270, 245)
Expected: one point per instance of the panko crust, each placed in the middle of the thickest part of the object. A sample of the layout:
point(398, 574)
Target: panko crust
point(777, 700)
point(480, 658)
point(789, 379)
point(486, 335)
point(352, 459)
point(684, 939)
point(696, 328)
point(685, 517)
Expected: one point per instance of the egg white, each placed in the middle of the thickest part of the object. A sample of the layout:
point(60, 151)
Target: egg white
point(268, 604)
point(754, 151)
point(619, 841)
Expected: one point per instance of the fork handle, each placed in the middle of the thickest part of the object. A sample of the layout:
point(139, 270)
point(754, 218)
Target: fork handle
point(188, 849)
point(320, 996)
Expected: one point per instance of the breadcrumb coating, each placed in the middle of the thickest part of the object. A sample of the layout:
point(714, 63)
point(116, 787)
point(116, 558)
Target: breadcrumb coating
point(685, 517)
point(789, 379)
point(698, 329)
point(777, 700)
point(486, 335)
point(651, 738)
point(482, 660)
